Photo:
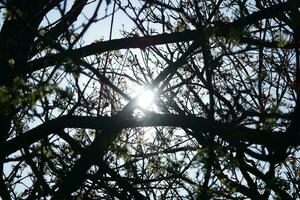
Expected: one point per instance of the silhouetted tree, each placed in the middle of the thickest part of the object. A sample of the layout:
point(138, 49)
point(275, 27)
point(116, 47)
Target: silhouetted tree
point(223, 123)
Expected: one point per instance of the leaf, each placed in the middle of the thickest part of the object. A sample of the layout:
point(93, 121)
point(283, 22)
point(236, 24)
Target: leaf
point(281, 42)
point(180, 26)
point(11, 62)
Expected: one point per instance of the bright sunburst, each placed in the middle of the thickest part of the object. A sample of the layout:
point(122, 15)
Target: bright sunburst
point(146, 99)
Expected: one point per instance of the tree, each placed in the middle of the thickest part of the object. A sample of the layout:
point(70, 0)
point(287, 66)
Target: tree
point(224, 122)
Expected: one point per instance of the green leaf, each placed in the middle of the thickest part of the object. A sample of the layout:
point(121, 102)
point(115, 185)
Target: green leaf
point(281, 42)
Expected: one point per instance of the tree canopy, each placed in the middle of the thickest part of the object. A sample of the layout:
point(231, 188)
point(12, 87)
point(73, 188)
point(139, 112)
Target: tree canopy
point(150, 99)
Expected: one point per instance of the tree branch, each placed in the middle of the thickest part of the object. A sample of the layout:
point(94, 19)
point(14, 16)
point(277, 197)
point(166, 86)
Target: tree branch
point(199, 124)
point(220, 29)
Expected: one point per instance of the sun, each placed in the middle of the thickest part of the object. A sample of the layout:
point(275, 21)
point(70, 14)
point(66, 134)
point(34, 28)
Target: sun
point(145, 99)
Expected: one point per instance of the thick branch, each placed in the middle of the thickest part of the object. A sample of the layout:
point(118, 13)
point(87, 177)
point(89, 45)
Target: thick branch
point(199, 124)
point(138, 42)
